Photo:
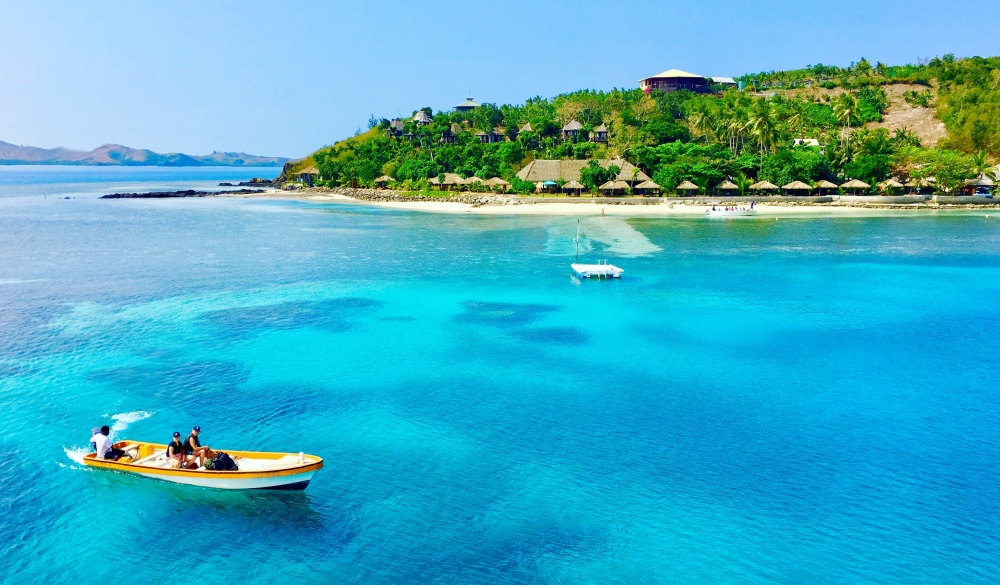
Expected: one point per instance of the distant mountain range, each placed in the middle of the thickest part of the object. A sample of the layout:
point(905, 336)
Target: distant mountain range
point(117, 155)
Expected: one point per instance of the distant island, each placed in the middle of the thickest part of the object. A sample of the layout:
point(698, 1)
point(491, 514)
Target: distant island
point(117, 155)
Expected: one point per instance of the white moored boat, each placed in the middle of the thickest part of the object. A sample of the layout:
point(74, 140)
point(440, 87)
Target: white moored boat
point(597, 270)
point(730, 212)
point(257, 470)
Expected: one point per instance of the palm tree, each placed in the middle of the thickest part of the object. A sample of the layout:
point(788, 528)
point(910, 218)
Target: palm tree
point(983, 166)
point(700, 123)
point(846, 110)
point(761, 126)
point(742, 182)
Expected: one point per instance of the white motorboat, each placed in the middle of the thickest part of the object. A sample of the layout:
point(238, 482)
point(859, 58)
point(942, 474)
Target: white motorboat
point(744, 212)
point(597, 270)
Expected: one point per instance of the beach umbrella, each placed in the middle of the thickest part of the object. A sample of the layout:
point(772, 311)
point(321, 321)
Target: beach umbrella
point(549, 184)
point(855, 185)
point(890, 185)
point(687, 186)
point(727, 186)
point(614, 186)
point(764, 186)
point(797, 186)
point(384, 179)
point(981, 181)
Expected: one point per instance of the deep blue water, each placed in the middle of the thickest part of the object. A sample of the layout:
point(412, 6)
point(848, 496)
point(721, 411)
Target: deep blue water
point(794, 401)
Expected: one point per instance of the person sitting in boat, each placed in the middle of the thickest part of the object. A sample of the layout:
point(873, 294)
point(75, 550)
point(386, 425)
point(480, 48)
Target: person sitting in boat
point(194, 450)
point(175, 453)
point(103, 446)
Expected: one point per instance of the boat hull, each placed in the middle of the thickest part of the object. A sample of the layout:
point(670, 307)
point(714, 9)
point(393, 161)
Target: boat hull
point(281, 476)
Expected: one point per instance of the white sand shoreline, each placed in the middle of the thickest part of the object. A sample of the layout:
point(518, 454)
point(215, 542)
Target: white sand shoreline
point(665, 209)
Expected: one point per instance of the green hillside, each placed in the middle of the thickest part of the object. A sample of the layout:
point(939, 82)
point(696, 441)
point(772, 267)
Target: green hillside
point(742, 135)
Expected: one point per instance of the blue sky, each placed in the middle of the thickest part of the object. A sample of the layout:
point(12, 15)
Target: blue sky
point(284, 78)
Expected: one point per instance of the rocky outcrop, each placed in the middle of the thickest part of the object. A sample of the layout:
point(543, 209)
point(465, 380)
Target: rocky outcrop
point(173, 194)
point(254, 182)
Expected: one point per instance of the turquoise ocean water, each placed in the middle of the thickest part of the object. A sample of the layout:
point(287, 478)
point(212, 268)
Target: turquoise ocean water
point(799, 401)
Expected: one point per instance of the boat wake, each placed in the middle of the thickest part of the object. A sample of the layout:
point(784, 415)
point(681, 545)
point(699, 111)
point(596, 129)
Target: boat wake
point(617, 237)
point(75, 454)
point(124, 419)
point(122, 422)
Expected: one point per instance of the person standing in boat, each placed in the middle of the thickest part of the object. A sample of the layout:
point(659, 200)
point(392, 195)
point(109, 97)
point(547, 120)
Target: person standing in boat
point(193, 448)
point(103, 446)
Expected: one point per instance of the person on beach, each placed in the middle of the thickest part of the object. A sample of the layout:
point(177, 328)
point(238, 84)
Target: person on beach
point(175, 452)
point(193, 448)
point(103, 446)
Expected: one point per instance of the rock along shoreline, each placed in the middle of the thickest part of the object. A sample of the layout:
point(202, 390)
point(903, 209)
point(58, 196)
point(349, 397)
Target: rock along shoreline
point(179, 194)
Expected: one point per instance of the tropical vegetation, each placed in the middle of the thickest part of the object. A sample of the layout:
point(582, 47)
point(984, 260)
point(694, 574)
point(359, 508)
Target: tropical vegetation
point(744, 135)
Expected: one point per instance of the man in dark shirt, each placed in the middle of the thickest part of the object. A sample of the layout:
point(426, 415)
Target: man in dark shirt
point(193, 447)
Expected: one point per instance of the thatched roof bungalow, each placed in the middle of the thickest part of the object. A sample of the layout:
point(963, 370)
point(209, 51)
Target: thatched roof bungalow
point(601, 134)
point(491, 137)
point(569, 170)
point(450, 180)
point(308, 175)
point(647, 187)
point(396, 128)
point(571, 131)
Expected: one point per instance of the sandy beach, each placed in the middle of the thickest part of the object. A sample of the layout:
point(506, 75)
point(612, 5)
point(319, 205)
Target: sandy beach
point(665, 209)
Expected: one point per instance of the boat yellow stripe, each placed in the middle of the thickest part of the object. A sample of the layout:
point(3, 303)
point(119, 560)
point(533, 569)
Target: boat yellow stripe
point(234, 475)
